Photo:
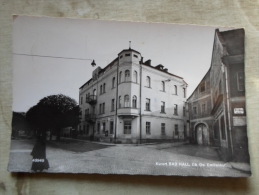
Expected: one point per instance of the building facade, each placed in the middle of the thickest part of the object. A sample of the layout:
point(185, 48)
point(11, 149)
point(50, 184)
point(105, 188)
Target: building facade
point(131, 101)
point(217, 111)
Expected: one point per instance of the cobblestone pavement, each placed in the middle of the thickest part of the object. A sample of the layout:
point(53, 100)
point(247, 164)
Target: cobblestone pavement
point(154, 159)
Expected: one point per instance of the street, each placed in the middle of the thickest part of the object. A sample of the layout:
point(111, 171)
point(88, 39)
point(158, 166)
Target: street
point(153, 159)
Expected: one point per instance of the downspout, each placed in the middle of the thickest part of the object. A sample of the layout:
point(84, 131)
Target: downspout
point(228, 111)
point(116, 102)
point(96, 107)
point(140, 102)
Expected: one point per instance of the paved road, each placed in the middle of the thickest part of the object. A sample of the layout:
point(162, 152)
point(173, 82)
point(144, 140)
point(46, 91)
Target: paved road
point(157, 159)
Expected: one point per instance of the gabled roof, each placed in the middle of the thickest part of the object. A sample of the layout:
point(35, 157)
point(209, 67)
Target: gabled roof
point(231, 40)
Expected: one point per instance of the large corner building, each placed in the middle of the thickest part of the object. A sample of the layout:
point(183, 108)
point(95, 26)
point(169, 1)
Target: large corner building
point(131, 101)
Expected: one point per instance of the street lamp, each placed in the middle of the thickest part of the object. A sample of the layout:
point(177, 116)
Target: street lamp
point(93, 63)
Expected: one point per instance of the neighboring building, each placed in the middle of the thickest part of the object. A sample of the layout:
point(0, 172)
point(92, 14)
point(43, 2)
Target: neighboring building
point(131, 101)
point(217, 108)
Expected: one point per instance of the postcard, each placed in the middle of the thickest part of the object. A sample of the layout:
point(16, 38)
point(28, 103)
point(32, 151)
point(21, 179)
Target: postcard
point(111, 97)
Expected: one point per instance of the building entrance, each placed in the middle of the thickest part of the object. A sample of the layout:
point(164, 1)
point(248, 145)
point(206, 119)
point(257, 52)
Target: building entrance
point(202, 136)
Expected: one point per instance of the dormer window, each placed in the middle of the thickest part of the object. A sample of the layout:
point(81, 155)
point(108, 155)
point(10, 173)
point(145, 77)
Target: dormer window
point(127, 54)
point(135, 56)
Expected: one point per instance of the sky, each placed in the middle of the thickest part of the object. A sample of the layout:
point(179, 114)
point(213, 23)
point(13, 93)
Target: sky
point(184, 49)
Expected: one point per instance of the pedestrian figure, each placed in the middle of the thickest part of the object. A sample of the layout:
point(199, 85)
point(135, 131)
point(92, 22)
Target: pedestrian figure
point(39, 160)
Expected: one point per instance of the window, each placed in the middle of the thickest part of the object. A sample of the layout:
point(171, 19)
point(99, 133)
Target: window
point(202, 87)
point(163, 86)
point(176, 131)
point(147, 104)
point(87, 129)
point(127, 127)
point(120, 75)
point(184, 92)
point(104, 85)
point(203, 108)
point(103, 111)
point(86, 97)
point(162, 128)
point(81, 100)
point(184, 131)
point(127, 75)
point(195, 110)
point(121, 56)
point(175, 89)
point(94, 91)
point(162, 107)
point(134, 101)
point(175, 109)
point(240, 81)
point(104, 127)
point(93, 109)
point(135, 77)
point(222, 127)
point(100, 108)
point(113, 82)
point(84, 129)
point(113, 105)
point(126, 101)
point(148, 83)
point(119, 101)
point(127, 54)
point(135, 56)
point(98, 128)
point(101, 89)
point(148, 132)
point(111, 127)
point(184, 110)
point(86, 112)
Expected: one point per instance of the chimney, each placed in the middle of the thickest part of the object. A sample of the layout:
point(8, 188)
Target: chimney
point(159, 67)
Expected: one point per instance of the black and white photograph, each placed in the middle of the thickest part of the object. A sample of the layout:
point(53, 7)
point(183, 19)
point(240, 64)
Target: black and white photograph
point(116, 97)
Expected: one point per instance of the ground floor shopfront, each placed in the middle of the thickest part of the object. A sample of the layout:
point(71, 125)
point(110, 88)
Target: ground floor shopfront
point(134, 129)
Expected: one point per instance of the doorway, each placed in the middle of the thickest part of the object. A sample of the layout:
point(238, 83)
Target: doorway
point(202, 135)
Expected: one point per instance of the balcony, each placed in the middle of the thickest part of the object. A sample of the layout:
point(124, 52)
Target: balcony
point(126, 112)
point(91, 118)
point(91, 99)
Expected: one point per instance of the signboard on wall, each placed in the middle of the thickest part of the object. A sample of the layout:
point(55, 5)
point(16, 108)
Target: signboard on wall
point(238, 111)
point(239, 121)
